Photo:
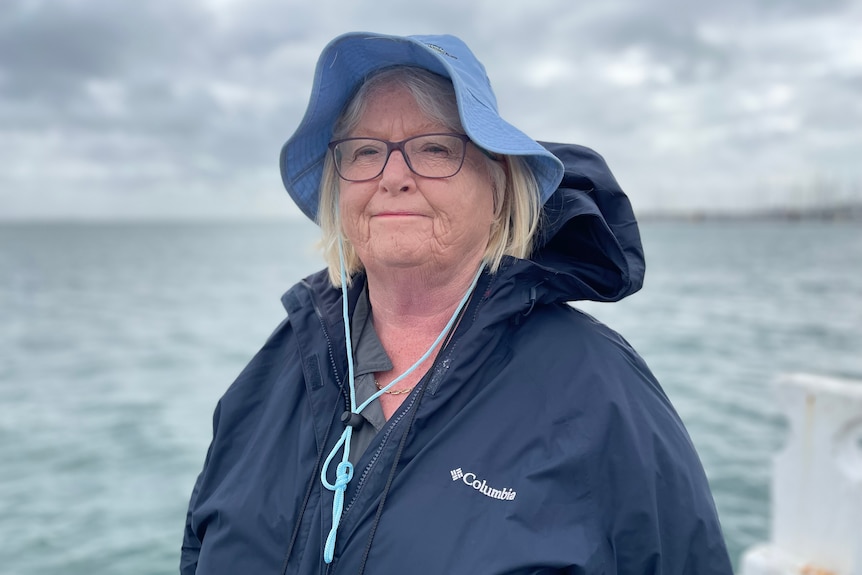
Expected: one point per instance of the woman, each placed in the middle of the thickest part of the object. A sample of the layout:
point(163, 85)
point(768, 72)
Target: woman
point(431, 404)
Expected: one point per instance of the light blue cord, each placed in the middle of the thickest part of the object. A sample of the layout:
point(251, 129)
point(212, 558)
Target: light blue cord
point(344, 470)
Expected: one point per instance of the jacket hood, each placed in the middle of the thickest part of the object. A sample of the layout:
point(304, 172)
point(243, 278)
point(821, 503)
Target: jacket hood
point(589, 245)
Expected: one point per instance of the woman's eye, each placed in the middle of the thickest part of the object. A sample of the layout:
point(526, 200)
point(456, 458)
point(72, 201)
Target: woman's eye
point(435, 150)
point(365, 153)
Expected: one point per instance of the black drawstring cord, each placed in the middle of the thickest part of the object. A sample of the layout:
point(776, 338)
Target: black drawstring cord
point(533, 297)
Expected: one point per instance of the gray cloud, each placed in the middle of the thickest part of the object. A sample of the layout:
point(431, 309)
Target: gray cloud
point(180, 108)
point(51, 49)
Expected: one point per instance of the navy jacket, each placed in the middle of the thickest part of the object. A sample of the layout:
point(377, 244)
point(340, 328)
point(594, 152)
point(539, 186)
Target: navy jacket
point(538, 443)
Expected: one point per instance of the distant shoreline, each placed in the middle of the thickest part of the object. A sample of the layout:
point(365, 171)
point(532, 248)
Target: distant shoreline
point(838, 213)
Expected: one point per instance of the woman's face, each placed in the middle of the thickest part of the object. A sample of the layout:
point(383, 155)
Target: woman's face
point(404, 221)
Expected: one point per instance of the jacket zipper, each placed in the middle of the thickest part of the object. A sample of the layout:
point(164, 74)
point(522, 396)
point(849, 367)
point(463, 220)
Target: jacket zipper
point(383, 442)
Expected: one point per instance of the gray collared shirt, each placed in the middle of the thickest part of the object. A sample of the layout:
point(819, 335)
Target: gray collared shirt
point(368, 358)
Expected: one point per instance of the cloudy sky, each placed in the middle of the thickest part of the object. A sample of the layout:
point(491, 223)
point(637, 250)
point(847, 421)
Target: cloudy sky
point(178, 108)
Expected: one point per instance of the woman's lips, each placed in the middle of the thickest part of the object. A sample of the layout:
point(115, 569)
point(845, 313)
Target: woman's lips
point(397, 214)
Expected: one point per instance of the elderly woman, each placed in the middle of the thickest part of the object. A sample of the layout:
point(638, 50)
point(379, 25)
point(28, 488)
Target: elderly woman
point(431, 404)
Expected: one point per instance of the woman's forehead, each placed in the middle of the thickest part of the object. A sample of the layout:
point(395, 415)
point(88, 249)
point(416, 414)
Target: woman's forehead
point(394, 110)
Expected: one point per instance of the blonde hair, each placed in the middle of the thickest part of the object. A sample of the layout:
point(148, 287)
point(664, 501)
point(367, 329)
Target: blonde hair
point(516, 193)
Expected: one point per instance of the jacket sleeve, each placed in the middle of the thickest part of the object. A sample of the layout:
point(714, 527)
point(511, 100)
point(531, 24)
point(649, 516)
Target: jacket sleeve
point(662, 517)
point(191, 544)
point(192, 538)
point(668, 525)
point(232, 426)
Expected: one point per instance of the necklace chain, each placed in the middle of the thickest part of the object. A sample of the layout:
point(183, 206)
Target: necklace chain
point(393, 391)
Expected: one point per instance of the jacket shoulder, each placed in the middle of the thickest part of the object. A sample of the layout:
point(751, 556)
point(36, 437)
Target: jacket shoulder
point(645, 474)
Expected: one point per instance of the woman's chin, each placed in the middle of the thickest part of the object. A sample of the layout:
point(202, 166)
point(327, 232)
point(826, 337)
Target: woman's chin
point(399, 262)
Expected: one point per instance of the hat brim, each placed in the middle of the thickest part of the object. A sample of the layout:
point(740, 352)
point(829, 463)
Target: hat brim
point(344, 65)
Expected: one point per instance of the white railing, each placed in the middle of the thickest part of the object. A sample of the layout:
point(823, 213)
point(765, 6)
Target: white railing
point(816, 482)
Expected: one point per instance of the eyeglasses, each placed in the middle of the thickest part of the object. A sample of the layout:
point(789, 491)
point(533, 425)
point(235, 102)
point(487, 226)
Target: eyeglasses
point(428, 155)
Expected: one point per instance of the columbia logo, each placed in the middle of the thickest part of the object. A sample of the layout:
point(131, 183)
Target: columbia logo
point(480, 485)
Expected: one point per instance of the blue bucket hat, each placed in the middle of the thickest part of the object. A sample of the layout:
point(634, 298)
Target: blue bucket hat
point(345, 64)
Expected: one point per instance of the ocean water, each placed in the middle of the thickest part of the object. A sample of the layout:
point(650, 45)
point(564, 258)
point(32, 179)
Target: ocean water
point(116, 340)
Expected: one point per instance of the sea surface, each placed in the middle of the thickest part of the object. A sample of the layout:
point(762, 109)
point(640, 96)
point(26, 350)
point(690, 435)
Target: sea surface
point(117, 339)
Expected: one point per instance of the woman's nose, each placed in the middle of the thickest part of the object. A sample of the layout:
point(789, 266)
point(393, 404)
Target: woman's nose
point(397, 175)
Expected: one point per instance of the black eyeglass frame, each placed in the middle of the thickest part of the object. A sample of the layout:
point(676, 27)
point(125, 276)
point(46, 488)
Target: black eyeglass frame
point(392, 146)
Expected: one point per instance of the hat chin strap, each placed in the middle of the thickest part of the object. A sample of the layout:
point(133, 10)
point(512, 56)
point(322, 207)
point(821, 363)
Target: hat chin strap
point(344, 470)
